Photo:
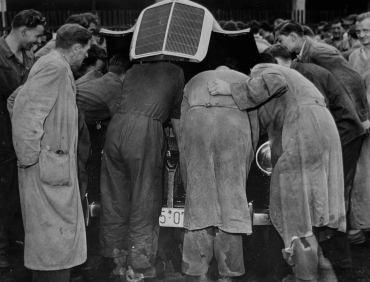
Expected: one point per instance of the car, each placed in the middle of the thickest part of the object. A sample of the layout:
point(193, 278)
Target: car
point(187, 34)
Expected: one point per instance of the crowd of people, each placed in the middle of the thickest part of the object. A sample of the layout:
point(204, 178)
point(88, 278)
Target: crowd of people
point(308, 91)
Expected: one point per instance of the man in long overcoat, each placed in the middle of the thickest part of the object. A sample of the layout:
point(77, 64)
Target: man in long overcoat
point(290, 34)
point(45, 126)
point(306, 190)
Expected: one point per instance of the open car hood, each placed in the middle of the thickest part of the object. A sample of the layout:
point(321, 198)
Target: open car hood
point(183, 32)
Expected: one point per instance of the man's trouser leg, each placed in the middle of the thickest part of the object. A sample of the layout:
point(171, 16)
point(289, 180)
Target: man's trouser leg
point(8, 182)
point(228, 249)
point(199, 246)
point(337, 248)
point(146, 204)
point(197, 251)
point(304, 258)
point(115, 198)
point(62, 275)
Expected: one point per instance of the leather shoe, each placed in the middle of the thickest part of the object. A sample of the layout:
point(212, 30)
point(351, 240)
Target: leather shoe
point(4, 261)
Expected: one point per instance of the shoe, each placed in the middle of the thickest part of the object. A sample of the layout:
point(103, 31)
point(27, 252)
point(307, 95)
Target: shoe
point(4, 261)
point(198, 278)
point(357, 238)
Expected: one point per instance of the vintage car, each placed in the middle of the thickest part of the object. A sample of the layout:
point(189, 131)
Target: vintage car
point(187, 34)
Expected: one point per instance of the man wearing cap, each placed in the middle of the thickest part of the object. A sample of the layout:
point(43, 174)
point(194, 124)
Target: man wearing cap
point(16, 60)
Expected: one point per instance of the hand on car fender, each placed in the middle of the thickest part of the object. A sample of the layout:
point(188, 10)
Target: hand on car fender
point(219, 87)
point(366, 126)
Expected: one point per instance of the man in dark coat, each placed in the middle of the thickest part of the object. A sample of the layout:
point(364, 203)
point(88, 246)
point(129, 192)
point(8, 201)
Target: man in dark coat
point(16, 60)
point(90, 70)
point(131, 175)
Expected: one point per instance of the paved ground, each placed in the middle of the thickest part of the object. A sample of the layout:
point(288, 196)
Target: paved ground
point(261, 256)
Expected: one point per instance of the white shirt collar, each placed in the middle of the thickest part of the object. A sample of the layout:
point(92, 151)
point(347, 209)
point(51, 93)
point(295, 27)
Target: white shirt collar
point(301, 53)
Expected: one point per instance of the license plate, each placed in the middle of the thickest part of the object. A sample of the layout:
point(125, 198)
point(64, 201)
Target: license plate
point(172, 217)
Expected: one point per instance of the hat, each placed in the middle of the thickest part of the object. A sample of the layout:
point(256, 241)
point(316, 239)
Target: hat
point(350, 20)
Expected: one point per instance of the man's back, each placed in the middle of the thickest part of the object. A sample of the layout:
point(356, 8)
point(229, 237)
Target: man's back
point(338, 102)
point(197, 91)
point(99, 97)
point(321, 55)
point(151, 89)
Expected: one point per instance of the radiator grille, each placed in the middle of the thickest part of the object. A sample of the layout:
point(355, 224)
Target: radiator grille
point(153, 29)
point(185, 29)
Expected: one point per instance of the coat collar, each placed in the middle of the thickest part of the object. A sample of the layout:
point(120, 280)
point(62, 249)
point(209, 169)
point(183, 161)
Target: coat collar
point(61, 57)
point(305, 48)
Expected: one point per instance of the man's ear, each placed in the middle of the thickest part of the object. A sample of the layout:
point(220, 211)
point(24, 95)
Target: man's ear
point(293, 36)
point(23, 30)
point(76, 47)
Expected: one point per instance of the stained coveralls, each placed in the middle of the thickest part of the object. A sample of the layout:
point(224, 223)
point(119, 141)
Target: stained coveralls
point(307, 186)
point(216, 154)
point(132, 166)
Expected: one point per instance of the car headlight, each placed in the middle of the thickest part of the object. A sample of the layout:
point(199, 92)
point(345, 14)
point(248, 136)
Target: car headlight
point(263, 158)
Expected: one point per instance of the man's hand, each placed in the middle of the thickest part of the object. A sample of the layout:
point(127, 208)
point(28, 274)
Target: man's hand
point(219, 87)
point(366, 126)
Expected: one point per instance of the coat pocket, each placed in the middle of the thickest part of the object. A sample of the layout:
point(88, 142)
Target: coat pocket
point(54, 169)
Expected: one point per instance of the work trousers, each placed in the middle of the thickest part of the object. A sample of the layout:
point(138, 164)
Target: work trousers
point(351, 153)
point(337, 248)
point(201, 245)
point(62, 275)
point(131, 190)
point(9, 196)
